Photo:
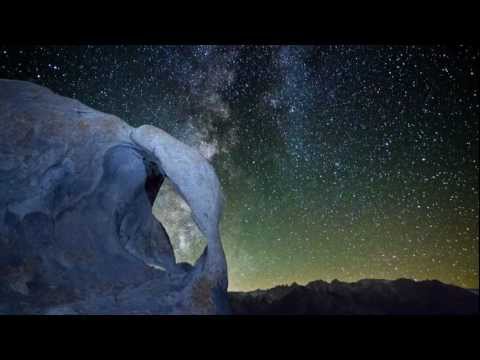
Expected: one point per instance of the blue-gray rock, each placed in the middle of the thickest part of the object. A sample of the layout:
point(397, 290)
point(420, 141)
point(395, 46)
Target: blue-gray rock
point(77, 234)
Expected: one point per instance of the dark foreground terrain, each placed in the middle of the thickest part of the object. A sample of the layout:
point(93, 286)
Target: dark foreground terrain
point(382, 297)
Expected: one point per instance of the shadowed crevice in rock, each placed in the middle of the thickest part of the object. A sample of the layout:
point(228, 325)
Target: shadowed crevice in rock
point(153, 181)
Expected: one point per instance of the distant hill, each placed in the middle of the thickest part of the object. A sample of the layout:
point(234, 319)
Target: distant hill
point(367, 297)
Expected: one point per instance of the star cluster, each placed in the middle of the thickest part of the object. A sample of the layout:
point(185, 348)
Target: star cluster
point(342, 162)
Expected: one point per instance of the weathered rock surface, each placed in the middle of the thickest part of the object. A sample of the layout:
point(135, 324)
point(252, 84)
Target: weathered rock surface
point(365, 297)
point(77, 234)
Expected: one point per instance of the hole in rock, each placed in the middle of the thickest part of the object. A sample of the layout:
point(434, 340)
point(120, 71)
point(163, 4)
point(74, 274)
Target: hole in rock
point(175, 215)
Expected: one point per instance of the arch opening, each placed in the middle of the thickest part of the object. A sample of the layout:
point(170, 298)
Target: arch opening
point(176, 217)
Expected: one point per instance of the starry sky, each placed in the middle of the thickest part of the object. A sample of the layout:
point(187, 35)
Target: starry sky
point(337, 162)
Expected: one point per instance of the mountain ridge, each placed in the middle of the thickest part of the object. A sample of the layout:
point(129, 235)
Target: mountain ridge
point(366, 296)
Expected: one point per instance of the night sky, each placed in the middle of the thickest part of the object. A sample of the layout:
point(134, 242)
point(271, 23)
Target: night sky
point(337, 162)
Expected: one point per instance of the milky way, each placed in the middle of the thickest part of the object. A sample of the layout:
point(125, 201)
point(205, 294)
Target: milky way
point(342, 162)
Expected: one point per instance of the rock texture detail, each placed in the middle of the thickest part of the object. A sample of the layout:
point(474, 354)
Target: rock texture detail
point(77, 234)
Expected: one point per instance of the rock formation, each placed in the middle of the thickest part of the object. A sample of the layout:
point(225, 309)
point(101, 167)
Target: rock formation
point(77, 234)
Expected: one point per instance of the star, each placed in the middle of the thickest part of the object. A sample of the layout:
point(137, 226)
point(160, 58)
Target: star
point(337, 162)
